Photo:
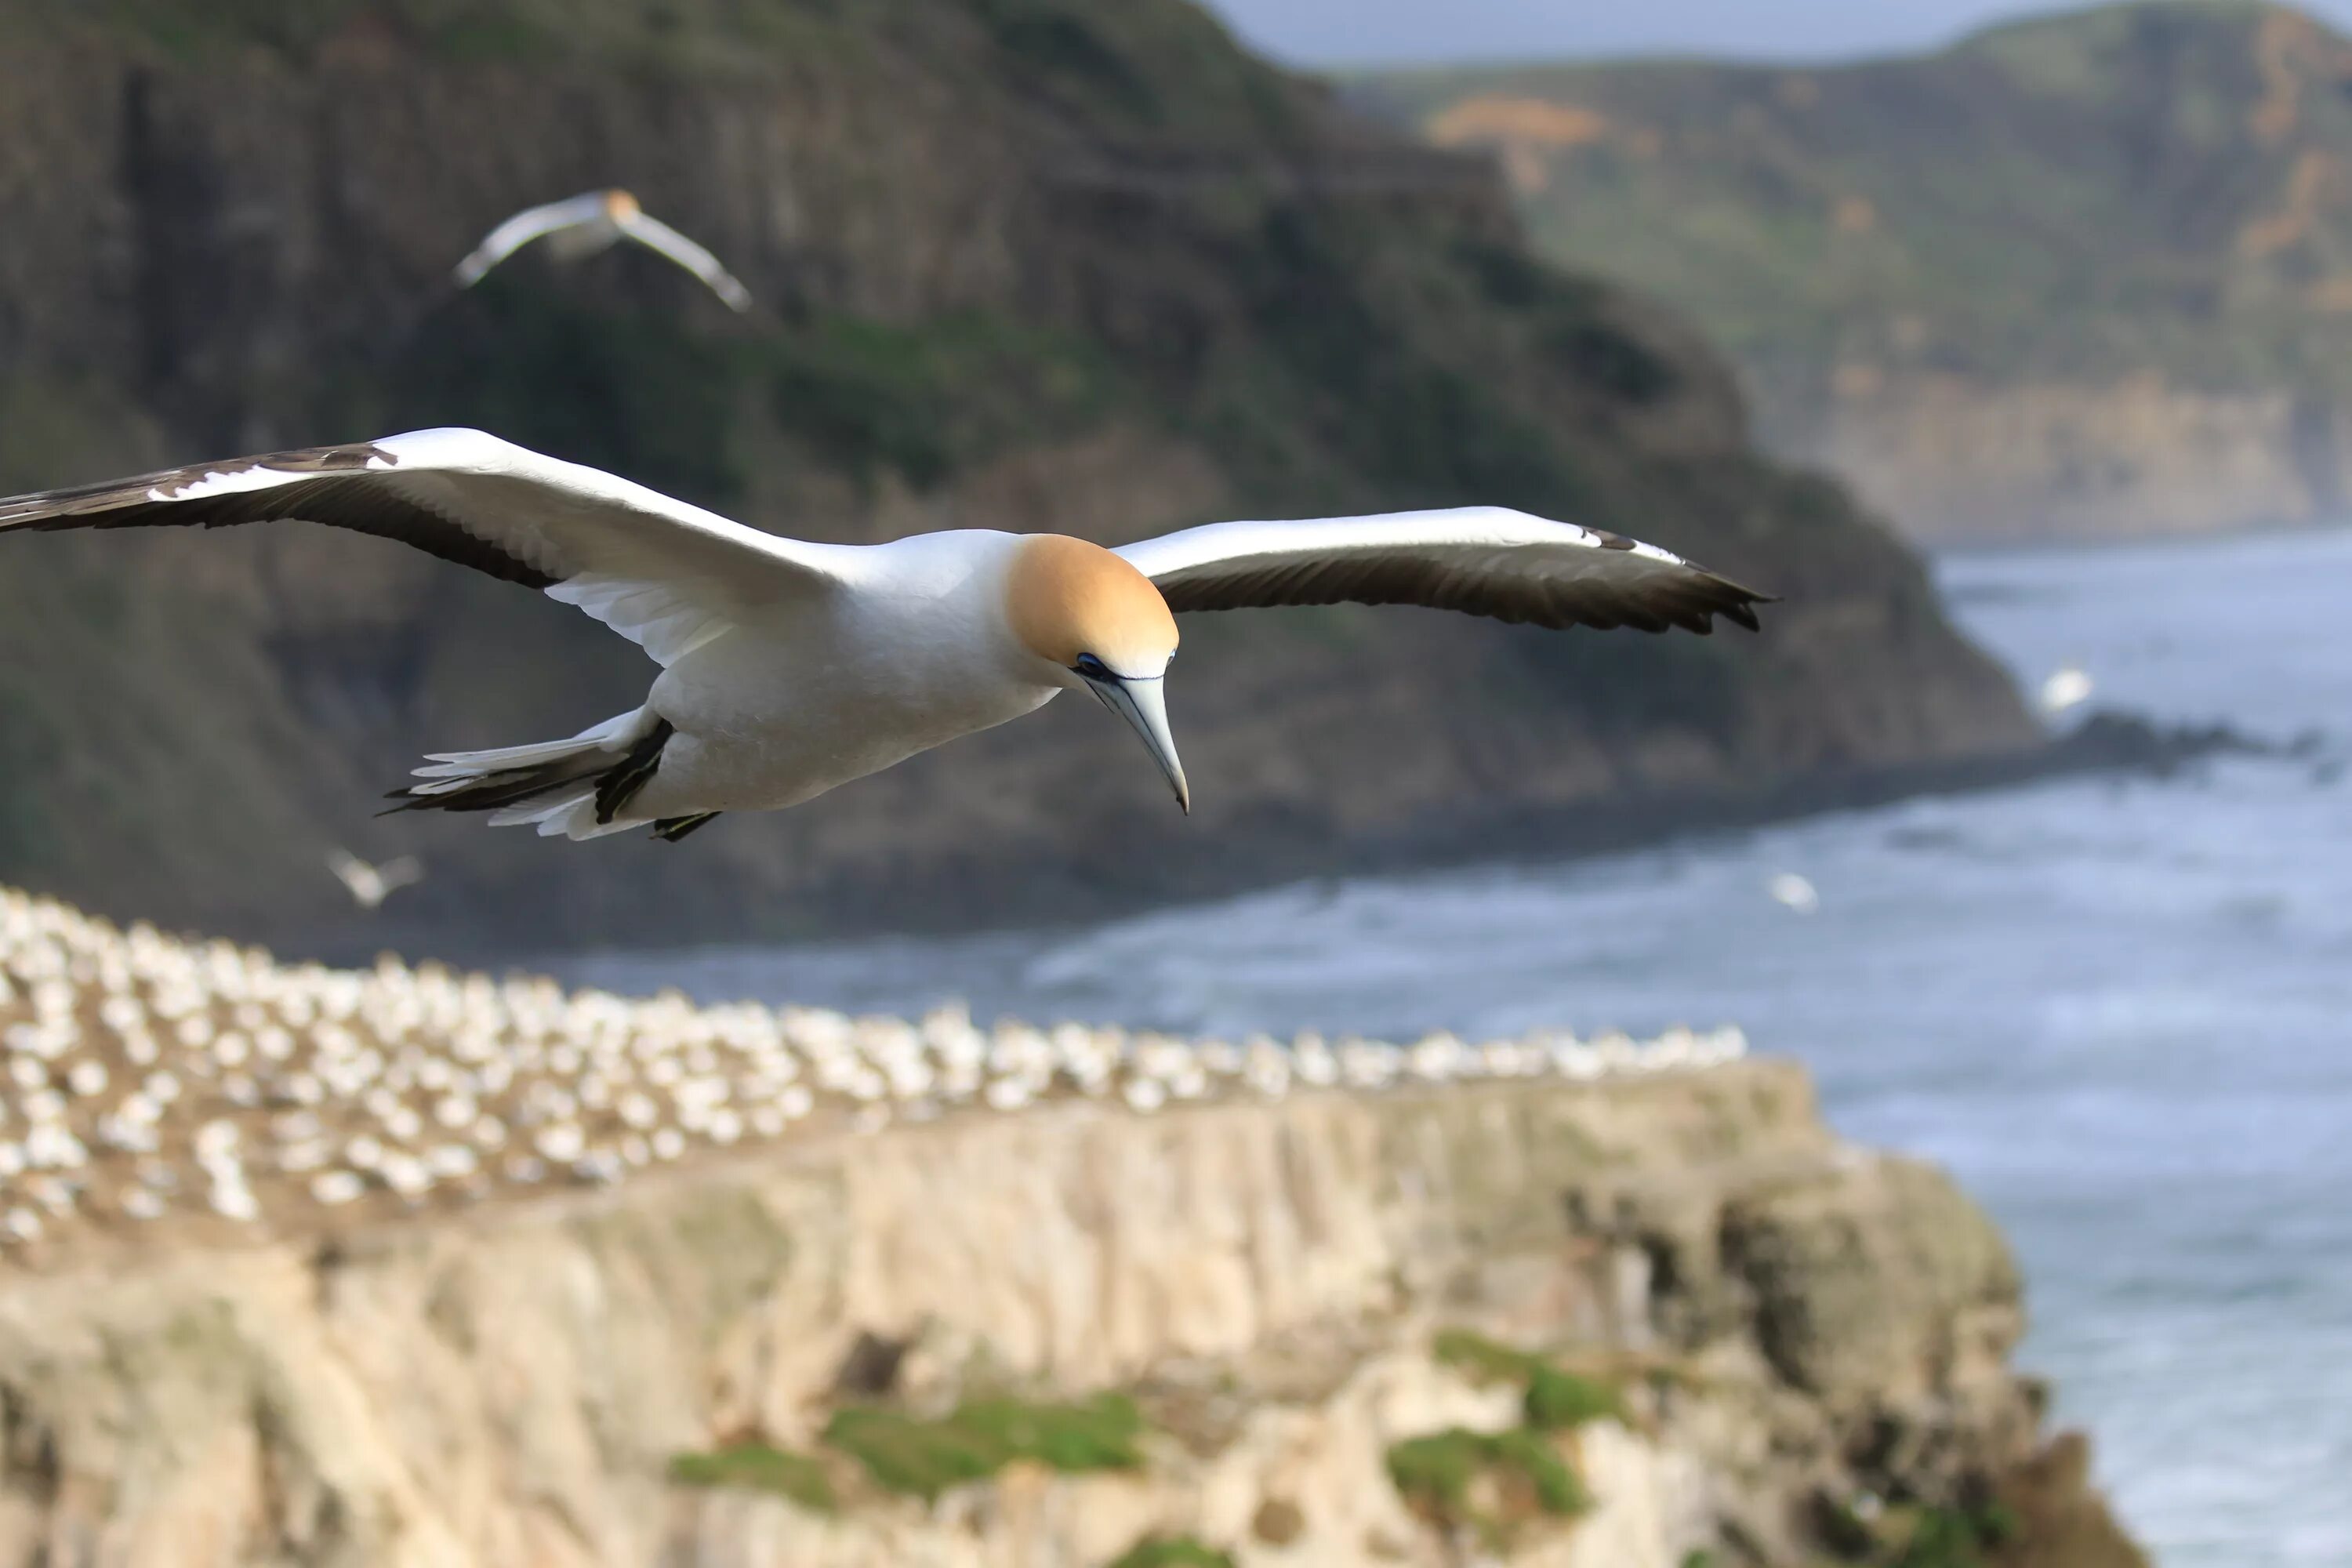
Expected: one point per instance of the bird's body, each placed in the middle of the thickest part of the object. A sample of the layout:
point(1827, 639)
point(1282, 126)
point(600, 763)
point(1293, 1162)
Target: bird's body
point(790, 667)
point(854, 683)
point(587, 225)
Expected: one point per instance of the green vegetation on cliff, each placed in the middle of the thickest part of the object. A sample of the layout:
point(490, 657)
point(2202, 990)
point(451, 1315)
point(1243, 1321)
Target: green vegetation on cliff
point(906, 1453)
point(1440, 1475)
point(757, 1466)
point(2148, 188)
point(1171, 1551)
point(1554, 1400)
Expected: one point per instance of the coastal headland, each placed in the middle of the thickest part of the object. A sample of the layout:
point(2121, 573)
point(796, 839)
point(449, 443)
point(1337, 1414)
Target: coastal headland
point(407, 1266)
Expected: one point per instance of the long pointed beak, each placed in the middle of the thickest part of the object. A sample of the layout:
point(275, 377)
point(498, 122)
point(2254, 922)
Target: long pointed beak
point(1143, 704)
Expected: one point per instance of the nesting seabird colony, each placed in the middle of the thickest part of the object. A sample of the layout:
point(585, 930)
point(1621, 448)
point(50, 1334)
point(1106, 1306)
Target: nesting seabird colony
point(152, 1079)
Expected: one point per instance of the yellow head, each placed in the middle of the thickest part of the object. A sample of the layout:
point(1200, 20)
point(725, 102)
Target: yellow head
point(1068, 600)
point(1100, 624)
point(621, 206)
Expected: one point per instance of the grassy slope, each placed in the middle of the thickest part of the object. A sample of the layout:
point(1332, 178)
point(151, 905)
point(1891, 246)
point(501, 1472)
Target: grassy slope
point(2141, 187)
point(1023, 264)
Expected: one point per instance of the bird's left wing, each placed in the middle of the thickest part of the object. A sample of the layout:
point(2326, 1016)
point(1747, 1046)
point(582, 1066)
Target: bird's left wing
point(665, 574)
point(1483, 561)
point(519, 230)
point(656, 235)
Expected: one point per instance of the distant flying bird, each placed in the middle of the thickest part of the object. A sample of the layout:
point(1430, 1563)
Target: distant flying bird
point(1794, 893)
point(371, 884)
point(789, 668)
point(585, 224)
point(2069, 686)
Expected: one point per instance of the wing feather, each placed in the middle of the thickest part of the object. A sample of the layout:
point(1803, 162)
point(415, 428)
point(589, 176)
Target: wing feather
point(1482, 561)
point(665, 574)
point(532, 222)
point(658, 235)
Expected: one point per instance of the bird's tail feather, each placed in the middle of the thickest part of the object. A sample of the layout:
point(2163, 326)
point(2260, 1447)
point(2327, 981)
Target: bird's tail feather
point(574, 787)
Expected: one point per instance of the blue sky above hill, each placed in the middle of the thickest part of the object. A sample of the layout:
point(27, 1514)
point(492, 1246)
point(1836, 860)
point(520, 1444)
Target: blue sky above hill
point(1364, 32)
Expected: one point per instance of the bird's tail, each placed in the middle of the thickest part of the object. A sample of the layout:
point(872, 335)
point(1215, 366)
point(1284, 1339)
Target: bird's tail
point(574, 787)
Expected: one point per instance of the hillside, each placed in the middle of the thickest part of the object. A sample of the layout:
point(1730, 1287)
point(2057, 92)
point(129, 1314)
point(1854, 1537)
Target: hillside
point(2091, 272)
point(1023, 264)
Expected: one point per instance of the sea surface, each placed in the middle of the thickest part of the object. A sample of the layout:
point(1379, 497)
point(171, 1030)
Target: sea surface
point(2119, 1009)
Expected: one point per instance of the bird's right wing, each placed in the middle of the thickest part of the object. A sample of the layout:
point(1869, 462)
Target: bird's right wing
point(1482, 561)
point(656, 235)
point(666, 575)
point(519, 230)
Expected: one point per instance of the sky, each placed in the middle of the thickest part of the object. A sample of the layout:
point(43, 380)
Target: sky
point(1364, 32)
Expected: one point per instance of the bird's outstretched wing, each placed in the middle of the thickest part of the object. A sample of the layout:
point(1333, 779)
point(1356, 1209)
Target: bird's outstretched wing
point(519, 230)
point(1483, 561)
point(666, 575)
point(656, 235)
point(355, 874)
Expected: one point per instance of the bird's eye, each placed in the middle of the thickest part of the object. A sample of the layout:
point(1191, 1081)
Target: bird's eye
point(1092, 667)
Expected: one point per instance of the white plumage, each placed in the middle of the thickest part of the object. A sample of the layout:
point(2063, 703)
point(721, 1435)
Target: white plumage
point(2068, 686)
point(370, 885)
point(789, 668)
point(580, 227)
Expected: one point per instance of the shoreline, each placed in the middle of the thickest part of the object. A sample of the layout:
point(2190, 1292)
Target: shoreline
point(2106, 742)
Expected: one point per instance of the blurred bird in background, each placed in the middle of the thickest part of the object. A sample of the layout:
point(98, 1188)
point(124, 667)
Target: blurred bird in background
point(371, 884)
point(584, 225)
point(2068, 686)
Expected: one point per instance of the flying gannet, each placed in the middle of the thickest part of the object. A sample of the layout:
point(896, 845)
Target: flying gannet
point(2068, 686)
point(584, 225)
point(1794, 892)
point(789, 668)
point(371, 884)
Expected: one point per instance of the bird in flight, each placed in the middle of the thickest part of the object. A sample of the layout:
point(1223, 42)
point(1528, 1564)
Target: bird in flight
point(2068, 686)
point(789, 668)
point(582, 225)
point(371, 884)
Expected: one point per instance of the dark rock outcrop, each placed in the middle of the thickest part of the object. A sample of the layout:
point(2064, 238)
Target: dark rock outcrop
point(1023, 264)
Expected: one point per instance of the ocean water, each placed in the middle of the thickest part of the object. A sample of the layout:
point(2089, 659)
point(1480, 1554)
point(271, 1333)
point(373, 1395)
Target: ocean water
point(2120, 1010)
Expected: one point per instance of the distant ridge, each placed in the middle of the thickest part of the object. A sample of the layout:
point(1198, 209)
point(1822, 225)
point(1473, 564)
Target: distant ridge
point(2087, 271)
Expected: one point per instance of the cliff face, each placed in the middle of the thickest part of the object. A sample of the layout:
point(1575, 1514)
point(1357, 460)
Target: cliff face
point(2077, 274)
point(1021, 265)
point(309, 1267)
point(1959, 458)
point(1804, 1332)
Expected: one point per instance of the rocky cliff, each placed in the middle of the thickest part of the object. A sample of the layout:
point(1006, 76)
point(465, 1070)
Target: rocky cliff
point(1023, 263)
point(2075, 275)
point(1585, 1304)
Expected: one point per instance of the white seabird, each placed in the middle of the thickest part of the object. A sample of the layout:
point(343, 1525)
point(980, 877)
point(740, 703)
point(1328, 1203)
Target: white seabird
point(789, 668)
point(1794, 892)
point(585, 224)
point(2068, 686)
point(371, 884)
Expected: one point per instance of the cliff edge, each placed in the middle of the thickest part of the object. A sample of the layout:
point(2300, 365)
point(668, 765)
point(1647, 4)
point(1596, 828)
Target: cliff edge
point(1012, 1296)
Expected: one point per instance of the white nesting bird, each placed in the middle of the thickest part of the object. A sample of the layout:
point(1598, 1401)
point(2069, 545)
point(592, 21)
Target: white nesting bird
point(2068, 686)
point(789, 668)
point(582, 225)
point(370, 885)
